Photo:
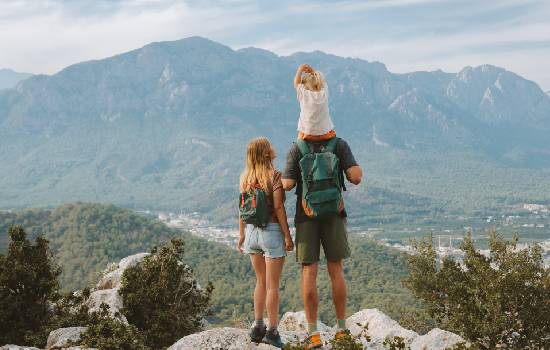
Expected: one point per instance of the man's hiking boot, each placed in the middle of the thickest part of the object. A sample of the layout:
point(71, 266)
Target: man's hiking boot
point(342, 333)
point(257, 333)
point(313, 341)
point(272, 337)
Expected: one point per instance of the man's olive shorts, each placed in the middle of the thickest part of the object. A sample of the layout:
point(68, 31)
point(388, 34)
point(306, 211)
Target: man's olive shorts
point(330, 232)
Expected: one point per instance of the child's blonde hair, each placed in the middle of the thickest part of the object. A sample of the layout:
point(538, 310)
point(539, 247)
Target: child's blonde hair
point(314, 81)
point(259, 165)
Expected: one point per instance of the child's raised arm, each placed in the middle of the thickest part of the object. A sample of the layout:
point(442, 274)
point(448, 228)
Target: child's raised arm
point(302, 68)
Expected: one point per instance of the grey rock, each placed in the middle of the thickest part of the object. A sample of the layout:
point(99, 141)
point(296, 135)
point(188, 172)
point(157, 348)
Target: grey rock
point(17, 347)
point(436, 339)
point(111, 297)
point(296, 322)
point(60, 338)
point(112, 276)
point(219, 339)
point(380, 326)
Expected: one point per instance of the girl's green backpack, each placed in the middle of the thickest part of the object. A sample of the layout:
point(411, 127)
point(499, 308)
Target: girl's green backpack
point(253, 207)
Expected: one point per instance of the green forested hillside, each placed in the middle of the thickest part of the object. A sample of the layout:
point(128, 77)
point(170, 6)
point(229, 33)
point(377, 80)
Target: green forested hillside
point(86, 237)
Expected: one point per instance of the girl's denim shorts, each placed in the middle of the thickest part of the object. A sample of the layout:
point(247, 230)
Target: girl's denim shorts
point(268, 241)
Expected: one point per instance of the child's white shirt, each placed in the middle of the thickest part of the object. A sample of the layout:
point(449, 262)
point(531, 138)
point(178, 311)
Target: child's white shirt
point(314, 114)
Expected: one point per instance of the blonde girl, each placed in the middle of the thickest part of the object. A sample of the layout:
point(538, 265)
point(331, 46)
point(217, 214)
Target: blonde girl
point(267, 246)
point(315, 123)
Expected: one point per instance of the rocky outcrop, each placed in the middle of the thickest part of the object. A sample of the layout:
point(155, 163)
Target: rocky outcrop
point(436, 339)
point(109, 284)
point(60, 338)
point(112, 276)
point(380, 326)
point(111, 298)
point(296, 322)
point(292, 326)
point(17, 347)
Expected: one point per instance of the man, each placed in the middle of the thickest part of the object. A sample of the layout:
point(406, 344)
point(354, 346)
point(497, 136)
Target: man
point(329, 232)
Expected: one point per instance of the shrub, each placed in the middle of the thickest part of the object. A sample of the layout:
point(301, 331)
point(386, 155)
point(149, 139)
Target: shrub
point(495, 300)
point(28, 284)
point(395, 343)
point(162, 297)
point(106, 333)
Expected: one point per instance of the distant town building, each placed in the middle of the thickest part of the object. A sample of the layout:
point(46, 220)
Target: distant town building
point(535, 208)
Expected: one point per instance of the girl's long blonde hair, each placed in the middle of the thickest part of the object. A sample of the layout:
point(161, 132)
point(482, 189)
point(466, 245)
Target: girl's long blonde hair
point(259, 165)
point(314, 81)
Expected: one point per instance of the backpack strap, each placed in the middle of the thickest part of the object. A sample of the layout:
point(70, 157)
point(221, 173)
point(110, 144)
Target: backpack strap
point(331, 145)
point(304, 147)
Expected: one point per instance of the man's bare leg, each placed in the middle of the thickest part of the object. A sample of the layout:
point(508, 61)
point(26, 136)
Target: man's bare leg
point(309, 291)
point(339, 291)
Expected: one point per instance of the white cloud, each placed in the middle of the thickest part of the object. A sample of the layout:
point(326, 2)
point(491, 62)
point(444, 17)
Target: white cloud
point(45, 36)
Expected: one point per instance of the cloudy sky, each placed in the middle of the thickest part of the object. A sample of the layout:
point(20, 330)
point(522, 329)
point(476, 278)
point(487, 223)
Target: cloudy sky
point(43, 36)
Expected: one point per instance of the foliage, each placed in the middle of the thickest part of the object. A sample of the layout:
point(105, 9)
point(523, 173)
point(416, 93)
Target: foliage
point(350, 341)
point(107, 333)
point(345, 342)
point(162, 297)
point(86, 237)
point(395, 343)
point(28, 282)
point(494, 300)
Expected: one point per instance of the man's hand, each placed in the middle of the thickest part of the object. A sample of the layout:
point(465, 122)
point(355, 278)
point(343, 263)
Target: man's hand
point(354, 174)
point(240, 244)
point(289, 244)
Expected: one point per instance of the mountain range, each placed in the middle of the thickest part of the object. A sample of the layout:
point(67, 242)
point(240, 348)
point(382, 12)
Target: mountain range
point(9, 78)
point(165, 126)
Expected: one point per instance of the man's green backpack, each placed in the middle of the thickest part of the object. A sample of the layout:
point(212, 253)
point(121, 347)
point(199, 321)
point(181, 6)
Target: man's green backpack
point(253, 207)
point(322, 187)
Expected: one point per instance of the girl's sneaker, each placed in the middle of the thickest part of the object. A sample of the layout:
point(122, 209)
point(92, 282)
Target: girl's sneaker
point(257, 333)
point(272, 337)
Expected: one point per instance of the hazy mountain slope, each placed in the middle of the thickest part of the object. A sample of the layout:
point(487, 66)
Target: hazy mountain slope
point(9, 78)
point(165, 126)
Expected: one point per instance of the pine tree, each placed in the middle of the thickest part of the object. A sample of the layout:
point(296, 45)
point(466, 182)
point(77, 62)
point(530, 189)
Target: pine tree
point(495, 300)
point(162, 297)
point(28, 285)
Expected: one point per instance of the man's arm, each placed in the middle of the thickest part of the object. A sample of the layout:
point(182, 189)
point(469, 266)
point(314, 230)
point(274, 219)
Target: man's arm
point(292, 168)
point(354, 174)
point(288, 184)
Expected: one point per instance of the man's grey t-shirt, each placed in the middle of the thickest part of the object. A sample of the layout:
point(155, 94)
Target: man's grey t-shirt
point(292, 171)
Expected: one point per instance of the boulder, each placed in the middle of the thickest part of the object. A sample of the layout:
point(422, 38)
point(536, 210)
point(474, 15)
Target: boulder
point(436, 339)
point(296, 322)
point(111, 297)
point(219, 338)
point(112, 276)
point(17, 347)
point(236, 339)
point(61, 337)
point(380, 326)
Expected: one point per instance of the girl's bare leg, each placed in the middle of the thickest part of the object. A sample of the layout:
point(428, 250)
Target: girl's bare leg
point(274, 268)
point(258, 263)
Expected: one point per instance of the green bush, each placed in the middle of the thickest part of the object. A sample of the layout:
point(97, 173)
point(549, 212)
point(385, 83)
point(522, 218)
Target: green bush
point(107, 333)
point(395, 343)
point(28, 284)
point(162, 297)
point(495, 300)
